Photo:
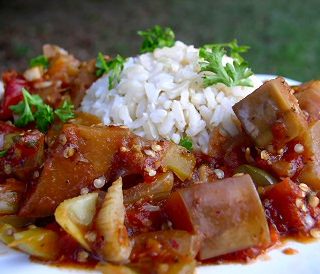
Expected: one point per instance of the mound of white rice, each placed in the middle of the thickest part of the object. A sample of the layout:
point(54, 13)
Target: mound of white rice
point(160, 95)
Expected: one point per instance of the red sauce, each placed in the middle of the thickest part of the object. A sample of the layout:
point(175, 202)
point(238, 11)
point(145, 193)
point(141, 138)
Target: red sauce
point(290, 251)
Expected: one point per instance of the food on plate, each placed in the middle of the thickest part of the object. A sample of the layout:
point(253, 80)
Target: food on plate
point(156, 163)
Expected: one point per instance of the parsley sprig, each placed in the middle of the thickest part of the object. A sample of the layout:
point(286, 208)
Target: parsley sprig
point(233, 49)
point(40, 60)
point(186, 142)
point(113, 67)
point(65, 112)
point(211, 63)
point(156, 37)
point(33, 109)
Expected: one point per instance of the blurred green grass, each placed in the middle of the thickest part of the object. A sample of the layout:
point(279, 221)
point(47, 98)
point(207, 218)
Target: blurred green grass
point(284, 35)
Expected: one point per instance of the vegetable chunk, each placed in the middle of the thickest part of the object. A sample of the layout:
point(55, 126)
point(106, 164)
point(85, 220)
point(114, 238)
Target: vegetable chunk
point(76, 214)
point(80, 155)
point(168, 246)
point(310, 173)
point(308, 96)
point(116, 246)
point(227, 214)
point(272, 105)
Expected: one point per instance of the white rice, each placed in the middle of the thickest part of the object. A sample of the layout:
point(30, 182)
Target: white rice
point(160, 95)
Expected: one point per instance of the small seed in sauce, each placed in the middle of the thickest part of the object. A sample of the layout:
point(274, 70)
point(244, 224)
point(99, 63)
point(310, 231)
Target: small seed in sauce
point(62, 139)
point(152, 172)
point(156, 147)
point(299, 203)
point(298, 148)
point(264, 155)
point(9, 231)
point(99, 182)
point(124, 149)
point(69, 152)
point(304, 187)
point(280, 151)
point(150, 153)
point(84, 191)
point(82, 256)
point(315, 233)
point(36, 174)
point(219, 173)
point(313, 201)
point(91, 236)
point(7, 169)
point(248, 156)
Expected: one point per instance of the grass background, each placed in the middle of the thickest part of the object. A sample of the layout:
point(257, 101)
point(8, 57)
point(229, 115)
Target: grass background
point(284, 35)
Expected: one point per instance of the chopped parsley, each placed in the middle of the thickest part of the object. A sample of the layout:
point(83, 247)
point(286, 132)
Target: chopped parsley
point(101, 65)
point(232, 48)
point(65, 112)
point(156, 37)
point(43, 117)
point(3, 153)
point(33, 109)
point(114, 67)
point(41, 61)
point(186, 142)
point(211, 64)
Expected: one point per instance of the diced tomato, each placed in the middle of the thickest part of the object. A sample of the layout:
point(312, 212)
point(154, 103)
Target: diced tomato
point(24, 154)
point(6, 128)
point(286, 208)
point(13, 83)
point(141, 217)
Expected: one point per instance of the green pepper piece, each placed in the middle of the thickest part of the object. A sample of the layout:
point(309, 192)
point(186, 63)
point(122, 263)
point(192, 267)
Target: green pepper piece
point(259, 176)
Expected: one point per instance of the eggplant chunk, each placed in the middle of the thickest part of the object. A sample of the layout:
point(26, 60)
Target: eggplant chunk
point(80, 155)
point(308, 96)
point(310, 173)
point(270, 105)
point(228, 214)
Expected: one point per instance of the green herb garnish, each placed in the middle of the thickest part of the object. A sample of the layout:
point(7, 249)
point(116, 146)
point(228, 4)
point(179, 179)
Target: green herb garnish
point(65, 112)
point(232, 48)
point(43, 117)
point(40, 60)
point(113, 67)
point(235, 74)
point(156, 37)
point(101, 65)
point(3, 153)
point(186, 142)
point(33, 109)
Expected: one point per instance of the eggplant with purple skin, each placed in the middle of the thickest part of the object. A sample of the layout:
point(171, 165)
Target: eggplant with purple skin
point(273, 104)
point(308, 96)
point(227, 214)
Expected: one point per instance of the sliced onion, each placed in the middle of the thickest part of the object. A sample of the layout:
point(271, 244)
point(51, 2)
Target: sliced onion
point(116, 246)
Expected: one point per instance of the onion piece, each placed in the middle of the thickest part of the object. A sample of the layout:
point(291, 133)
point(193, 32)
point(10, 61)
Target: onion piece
point(160, 188)
point(75, 216)
point(116, 246)
point(39, 242)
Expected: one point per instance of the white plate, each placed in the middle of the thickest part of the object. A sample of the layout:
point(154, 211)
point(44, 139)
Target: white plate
point(306, 261)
